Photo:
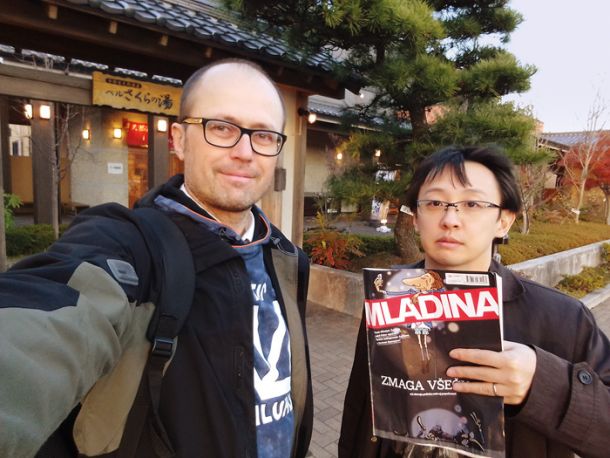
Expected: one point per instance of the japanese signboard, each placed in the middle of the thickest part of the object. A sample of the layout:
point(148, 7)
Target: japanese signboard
point(128, 93)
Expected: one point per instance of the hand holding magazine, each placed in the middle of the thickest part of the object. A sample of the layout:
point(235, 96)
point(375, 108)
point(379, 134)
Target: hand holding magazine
point(414, 318)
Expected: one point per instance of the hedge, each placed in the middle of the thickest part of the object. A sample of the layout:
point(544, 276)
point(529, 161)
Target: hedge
point(26, 240)
point(372, 244)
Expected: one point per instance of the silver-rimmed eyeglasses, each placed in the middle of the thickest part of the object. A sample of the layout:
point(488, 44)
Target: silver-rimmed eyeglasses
point(225, 134)
point(467, 207)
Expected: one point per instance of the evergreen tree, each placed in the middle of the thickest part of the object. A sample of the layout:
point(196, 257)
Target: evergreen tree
point(415, 55)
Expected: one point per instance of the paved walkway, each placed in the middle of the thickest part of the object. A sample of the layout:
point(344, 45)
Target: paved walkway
point(332, 339)
point(602, 316)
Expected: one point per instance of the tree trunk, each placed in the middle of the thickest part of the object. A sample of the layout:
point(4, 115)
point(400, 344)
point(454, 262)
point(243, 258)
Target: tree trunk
point(581, 199)
point(406, 238)
point(419, 123)
point(606, 191)
point(525, 227)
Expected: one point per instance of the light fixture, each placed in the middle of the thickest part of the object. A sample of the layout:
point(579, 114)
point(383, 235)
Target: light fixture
point(161, 125)
point(45, 112)
point(117, 133)
point(27, 110)
point(383, 228)
point(339, 156)
point(361, 94)
point(377, 152)
point(311, 117)
point(86, 134)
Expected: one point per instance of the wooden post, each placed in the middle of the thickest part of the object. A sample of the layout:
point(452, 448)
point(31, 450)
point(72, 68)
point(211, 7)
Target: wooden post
point(44, 166)
point(4, 148)
point(158, 152)
point(298, 180)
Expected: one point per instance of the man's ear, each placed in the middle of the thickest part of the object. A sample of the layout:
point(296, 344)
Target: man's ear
point(415, 223)
point(179, 139)
point(506, 220)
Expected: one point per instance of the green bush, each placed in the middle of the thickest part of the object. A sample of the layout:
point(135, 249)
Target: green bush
point(372, 244)
point(11, 202)
point(25, 240)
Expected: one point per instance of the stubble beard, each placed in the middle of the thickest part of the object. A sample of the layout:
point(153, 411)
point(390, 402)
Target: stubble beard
point(231, 201)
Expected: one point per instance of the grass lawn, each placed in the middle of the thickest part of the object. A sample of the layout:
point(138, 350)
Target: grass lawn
point(549, 238)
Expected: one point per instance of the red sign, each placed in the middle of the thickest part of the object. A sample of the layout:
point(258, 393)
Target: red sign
point(137, 133)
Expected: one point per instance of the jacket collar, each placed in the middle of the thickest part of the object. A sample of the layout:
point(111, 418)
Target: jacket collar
point(169, 197)
point(512, 287)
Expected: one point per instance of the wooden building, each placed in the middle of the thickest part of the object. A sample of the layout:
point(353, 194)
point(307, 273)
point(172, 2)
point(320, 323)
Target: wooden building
point(59, 58)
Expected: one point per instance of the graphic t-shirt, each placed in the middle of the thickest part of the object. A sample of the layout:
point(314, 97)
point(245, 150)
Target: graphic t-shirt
point(273, 409)
point(272, 367)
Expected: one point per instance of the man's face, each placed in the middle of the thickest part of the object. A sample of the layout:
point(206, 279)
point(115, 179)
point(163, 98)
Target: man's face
point(455, 241)
point(229, 180)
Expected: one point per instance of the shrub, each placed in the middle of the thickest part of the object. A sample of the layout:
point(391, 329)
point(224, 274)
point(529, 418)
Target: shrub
point(11, 201)
point(329, 247)
point(589, 279)
point(372, 244)
point(32, 239)
point(333, 249)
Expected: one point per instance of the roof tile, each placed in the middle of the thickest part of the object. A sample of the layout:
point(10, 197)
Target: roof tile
point(204, 22)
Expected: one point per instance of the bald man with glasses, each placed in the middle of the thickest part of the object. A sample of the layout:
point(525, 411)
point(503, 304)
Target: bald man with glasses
point(238, 382)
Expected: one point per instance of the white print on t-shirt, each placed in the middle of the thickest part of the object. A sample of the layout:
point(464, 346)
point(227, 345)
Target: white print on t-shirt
point(267, 412)
point(270, 386)
point(259, 291)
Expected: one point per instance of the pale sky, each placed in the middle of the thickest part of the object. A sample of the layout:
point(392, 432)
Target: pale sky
point(569, 42)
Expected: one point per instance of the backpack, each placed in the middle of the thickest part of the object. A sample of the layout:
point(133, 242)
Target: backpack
point(175, 280)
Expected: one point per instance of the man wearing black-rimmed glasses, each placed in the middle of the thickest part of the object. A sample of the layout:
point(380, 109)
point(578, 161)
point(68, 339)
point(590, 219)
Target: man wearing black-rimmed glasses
point(238, 383)
point(554, 371)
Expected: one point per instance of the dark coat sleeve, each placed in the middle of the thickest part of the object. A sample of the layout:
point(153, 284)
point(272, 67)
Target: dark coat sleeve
point(569, 401)
point(64, 319)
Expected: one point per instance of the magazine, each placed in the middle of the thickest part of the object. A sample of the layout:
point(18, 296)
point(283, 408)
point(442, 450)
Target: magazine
point(414, 317)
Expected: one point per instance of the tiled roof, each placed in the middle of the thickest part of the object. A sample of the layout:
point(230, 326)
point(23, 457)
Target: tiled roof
point(202, 20)
point(334, 111)
point(567, 139)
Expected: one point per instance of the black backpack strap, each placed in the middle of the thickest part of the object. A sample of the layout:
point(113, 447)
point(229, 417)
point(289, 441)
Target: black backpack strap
point(174, 285)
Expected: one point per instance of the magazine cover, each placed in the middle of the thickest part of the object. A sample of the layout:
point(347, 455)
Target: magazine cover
point(414, 317)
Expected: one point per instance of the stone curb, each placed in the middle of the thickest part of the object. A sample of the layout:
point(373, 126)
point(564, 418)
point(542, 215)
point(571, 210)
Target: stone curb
point(595, 298)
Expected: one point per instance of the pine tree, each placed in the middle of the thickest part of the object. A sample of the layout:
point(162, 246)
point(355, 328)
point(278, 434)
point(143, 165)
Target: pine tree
point(415, 55)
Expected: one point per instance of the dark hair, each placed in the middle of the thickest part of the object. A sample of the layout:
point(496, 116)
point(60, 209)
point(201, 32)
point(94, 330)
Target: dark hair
point(454, 157)
point(191, 83)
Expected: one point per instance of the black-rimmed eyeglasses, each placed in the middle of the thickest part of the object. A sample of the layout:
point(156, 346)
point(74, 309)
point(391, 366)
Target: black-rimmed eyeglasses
point(225, 134)
point(470, 207)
